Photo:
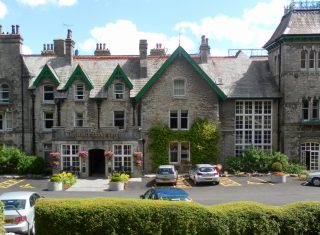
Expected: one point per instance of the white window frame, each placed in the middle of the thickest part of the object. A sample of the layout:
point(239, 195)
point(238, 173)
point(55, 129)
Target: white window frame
point(310, 109)
point(4, 89)
point(122, 157)
point(45, 119)
point(78, 119)
point(6, 121)
point(179, 118)
point(179, 151)
point(69, 156)
point(313, 150)
point(179, 92)
point(124, 119)
point(45, 92)
point(253, 125)
point(79, 91)
point(304, 60)
point(118, 94)
point(312, 61)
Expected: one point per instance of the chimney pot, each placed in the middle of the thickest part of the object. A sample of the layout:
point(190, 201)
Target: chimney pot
point(13, 29)
point(51, 47)
point(0, 29)
point(17, 29)
point(97, 46)
point(69, 35)
point(104, 46)
point(44, 47)
point(48, 47)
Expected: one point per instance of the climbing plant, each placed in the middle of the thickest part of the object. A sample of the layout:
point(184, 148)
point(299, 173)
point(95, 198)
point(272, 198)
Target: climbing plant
point(203, 137)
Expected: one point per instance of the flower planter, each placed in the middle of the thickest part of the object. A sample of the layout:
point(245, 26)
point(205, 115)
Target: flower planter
point(116, 186)
point(278, 178)
point(55, 186)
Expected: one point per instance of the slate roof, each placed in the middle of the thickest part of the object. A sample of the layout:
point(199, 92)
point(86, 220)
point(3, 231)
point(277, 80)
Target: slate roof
point(237, 76)
point(297, 22)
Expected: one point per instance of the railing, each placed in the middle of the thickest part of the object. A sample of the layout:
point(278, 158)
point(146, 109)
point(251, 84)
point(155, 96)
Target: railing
point(249, 52)
point(302, 5)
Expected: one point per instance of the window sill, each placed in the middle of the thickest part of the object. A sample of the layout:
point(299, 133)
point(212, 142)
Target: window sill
point(314, 122)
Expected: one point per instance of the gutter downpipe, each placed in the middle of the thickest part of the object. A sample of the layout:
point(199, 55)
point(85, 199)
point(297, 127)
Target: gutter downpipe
point(279, 100)
point(33, 96)
point(22, 105)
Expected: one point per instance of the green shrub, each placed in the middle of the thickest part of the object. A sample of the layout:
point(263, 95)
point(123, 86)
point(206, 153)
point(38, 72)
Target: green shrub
point(117, 177)
point(56, 178)
point(276, 167)
point(235, 164)
point(133, 216)
point(30, 165)
point(295, 168)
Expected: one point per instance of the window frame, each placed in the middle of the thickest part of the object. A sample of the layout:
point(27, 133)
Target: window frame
point(253, 125)
point(179, 119)
point(5, 120)
point(124, 156)
point(4, 89)
point(46, 119)
point(119, 119)
point(77, 119)
point(69, 156)
point(78, 88)
point(120, 93)
point(179, 151)
point(177, 90)
point(303, 59)
point(46, 92)
point(312, 60)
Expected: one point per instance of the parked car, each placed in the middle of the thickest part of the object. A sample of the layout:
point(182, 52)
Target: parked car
point(166, 174)
point(19, 211)
point(314, 178)
point(167, 193)
point(204, 173)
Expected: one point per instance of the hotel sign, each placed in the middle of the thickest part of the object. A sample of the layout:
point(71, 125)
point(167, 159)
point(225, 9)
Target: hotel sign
point(89, 134)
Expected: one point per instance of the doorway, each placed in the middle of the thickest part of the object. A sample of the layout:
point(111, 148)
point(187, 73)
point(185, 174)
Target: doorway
point(97, 163)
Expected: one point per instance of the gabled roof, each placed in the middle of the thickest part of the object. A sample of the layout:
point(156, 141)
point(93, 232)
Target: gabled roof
point(79, 73)
point(297, 25)
point(118, 73)
point(179, 52)
point(46, 72)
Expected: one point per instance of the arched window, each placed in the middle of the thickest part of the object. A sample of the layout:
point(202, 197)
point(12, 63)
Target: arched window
point(4, 93)
point(303, 60)
point(312, 59)
point(179, 88)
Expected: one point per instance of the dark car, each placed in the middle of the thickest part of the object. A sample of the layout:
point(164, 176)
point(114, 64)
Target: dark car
point(170, 194)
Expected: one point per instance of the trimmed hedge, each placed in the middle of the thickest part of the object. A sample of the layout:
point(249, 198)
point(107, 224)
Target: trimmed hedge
point(1, 218)
point(132, 216)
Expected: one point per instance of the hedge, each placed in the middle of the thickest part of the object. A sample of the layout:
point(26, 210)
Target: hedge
point(132, 216)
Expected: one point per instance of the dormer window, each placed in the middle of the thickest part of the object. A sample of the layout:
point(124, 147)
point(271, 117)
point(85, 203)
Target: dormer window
point(48, 94)
point(4, 93)
point(79, 92)
point(304, 54)
point(179, 88)
point(118, 91)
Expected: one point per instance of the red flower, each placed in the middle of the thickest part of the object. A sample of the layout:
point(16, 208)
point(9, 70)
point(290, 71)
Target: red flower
point(83, 153)
point(108, 154)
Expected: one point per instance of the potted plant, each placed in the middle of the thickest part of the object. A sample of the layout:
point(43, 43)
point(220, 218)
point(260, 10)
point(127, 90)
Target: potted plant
point(55, 183)
point(118, 182)
point(277, 175)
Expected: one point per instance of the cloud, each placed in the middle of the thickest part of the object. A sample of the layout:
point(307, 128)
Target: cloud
point(26, 50)
point(3, 10)
point(122, 38)
point(44, 2)
point(251, 30)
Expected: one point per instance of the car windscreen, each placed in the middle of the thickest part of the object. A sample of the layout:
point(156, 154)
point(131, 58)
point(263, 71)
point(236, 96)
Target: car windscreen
point(15, 204)
point(164, 171)
point(206, 169)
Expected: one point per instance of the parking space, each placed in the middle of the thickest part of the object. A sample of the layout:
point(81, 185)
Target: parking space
point(23, 184)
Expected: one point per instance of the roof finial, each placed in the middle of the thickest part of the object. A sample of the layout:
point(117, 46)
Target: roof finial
point(179, 38)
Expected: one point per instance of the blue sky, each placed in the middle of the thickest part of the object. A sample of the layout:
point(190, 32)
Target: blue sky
point(122, 23)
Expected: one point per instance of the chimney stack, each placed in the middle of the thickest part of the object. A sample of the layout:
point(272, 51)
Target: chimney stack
point(143, 49)
point(69, 43)
point(204, 50)
point(101, 50)
point(59, 47)
point(158, 51)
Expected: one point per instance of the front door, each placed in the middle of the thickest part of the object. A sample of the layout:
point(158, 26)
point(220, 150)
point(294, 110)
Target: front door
point(97, 162)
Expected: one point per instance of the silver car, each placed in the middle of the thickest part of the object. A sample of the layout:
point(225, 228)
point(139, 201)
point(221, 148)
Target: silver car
point(314, 178)
point(19, 211)
point(166, 174)
point(204, 173)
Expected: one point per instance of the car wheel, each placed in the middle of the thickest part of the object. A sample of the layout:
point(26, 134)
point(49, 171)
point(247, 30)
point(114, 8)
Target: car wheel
point(316, 181)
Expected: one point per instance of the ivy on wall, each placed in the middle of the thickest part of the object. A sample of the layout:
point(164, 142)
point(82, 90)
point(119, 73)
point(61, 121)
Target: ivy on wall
point(203, 137)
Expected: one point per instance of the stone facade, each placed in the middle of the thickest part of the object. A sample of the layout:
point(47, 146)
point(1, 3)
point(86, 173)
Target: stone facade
point(65, 102)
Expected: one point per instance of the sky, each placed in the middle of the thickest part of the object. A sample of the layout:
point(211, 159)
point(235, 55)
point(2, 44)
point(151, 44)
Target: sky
point(120, 24)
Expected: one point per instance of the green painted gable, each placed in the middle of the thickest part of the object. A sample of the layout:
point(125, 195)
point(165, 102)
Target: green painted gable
point(179, 52)
point(79, 73)
point(118, 74)
point(46, 72)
